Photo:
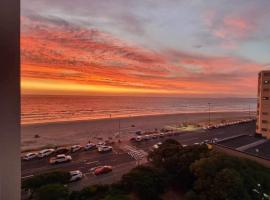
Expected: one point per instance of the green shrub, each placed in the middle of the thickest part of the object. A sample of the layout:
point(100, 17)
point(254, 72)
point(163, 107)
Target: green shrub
point(36, 182)
point(53, 192)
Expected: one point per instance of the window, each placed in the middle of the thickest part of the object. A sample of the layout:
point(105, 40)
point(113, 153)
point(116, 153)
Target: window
point(265, 98)
point(267, 74)
point(266, 89)
point(264, 121)
point(265, 113)
point(264, 129)
point(266, 82)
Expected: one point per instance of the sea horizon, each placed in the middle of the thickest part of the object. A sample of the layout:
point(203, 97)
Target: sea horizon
point(63, 108)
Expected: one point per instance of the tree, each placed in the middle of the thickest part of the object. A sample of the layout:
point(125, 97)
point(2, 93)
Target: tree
point(57, 177)
point(176, 160)
point(224, 177)
point(145, 182)
point(94, 192)
point(53, 192)
point(116, 197)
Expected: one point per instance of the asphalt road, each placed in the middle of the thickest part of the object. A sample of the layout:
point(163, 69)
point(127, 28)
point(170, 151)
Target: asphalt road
point(125, 156)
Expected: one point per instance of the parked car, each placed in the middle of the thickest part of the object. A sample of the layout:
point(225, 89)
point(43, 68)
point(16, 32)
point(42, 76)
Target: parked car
point(102, 170)
point(139, 138)
point(101, 144)
point(30, 156)
point(75, 175)
point(61, 150)
point(214, 140)
point(60, 159)
point(161, 135)
point(75, 148)
point(138, 132)
point(45, 152)
point(104, 148)
point(154, 136)
point(156, 146)
point(90, 146)
point(147, 137)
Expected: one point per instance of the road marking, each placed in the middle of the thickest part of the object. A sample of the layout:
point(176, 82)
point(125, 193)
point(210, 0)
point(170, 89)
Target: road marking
point(135, 153)
point(29, 176)
point(89, 163)
point(190, 139)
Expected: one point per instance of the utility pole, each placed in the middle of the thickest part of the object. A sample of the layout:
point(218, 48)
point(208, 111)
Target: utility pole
point(119, 127)
point(249, 111)
point(209, 117)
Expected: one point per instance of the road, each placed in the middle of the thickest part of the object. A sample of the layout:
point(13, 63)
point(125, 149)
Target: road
point(125, 156)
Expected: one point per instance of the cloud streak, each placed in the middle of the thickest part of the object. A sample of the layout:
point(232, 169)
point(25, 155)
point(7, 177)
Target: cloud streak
point(88, 58)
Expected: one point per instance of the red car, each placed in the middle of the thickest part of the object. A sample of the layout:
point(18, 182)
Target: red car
point(102, 170)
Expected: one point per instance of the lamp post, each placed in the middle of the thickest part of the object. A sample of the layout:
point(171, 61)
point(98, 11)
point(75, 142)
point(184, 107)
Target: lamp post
point(249, 111)
point(119, 128)
point(209, 112)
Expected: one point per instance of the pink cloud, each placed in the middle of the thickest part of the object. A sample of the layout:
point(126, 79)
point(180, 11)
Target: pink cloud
point(231, 29)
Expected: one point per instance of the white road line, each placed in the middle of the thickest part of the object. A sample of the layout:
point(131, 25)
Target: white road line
point(190, 139)
point(29, 176)
point(89, 163)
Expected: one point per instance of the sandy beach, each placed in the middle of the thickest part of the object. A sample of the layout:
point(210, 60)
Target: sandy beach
point(65, 133)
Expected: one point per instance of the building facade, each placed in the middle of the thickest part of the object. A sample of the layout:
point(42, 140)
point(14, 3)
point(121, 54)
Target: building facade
point(263, 105)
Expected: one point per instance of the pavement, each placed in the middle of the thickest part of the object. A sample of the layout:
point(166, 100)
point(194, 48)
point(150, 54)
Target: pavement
point(126, 155)
point(262, 150)
point(240, 141)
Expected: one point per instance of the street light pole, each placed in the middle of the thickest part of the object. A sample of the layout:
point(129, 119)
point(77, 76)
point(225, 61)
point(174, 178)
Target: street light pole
point(119, 128)
point(209, 110)
point(249, 111)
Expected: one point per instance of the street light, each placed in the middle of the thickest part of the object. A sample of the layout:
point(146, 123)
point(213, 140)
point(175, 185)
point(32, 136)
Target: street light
point(260, 192)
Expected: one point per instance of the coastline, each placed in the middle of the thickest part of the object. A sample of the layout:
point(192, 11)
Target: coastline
point(81, 131)
point(130, 116)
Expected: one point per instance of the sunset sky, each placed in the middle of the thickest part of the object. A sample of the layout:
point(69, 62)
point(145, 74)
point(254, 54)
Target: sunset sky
point(204, 48)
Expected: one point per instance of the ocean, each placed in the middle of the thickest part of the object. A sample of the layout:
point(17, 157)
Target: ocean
point(44, 109)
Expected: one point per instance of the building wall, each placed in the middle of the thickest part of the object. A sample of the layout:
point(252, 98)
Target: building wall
point(263, 104)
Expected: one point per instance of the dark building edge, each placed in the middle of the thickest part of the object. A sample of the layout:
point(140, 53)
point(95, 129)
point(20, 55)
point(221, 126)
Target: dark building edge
point(10, 170)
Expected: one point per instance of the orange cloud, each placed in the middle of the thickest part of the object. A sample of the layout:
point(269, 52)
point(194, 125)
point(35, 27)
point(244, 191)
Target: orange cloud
point(64, 58)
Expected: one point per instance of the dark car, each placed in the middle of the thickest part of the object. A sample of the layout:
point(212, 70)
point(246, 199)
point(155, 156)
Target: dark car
point(61, 150)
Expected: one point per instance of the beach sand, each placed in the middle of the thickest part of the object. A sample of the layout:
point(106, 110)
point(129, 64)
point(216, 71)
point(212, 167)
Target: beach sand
point(80, 132)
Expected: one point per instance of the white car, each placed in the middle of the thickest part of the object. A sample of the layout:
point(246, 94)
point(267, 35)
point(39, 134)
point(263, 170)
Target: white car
point(161, 135)
point(45, 152)
point(104, 148)
point(101, 144)
point(139, 138)
point(89, 146)
point(60, 159)
point(30, 156)
point(75, 148)
point(75, 175)
point(156, 146)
